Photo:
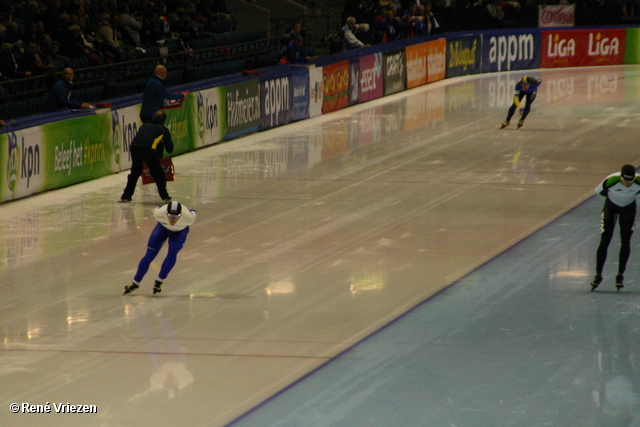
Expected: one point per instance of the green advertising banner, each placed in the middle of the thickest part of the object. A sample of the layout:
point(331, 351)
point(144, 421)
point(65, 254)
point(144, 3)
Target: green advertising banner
point(55, 155)
point(179, 121)
point(76, 150)
point(632, 46)
point(209, 109)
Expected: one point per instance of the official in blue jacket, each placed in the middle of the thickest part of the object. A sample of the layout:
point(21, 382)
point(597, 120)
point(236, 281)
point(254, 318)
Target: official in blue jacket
point(60, 95)
point(155, 93)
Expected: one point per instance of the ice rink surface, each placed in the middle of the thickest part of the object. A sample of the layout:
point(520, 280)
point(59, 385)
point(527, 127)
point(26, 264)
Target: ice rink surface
point(392, 234)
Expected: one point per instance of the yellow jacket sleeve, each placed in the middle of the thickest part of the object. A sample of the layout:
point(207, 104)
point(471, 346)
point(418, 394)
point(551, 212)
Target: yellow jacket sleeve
point(516, 100)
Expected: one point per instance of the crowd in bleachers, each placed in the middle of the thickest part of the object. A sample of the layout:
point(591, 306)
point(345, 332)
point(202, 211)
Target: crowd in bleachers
point(44, 36)
point(379, 21)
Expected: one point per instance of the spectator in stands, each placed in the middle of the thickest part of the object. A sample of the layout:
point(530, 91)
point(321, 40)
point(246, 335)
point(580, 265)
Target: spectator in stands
point(51, 16)
point(296, 28)
point(51, 49)
point(418, 24)
point(185, 26)
point(13, 34)
point(10, 61)
point(3, 34)
point(348, 34)
point(628, 9)
point(292, 52)
point(408, 19)
point(215, 14)
point(75, 44)
point(33, 33)
point(17, 16)
point(431, 25)
point(362, 10)
point(61, 27)
point(152, 29)
point(386, 25)
point(82, 19)
point(104, 39)
point(33, 62)
point(494, 13)
point(60, 95)
point(155, 94)
point(130, 27)
point(32, 12)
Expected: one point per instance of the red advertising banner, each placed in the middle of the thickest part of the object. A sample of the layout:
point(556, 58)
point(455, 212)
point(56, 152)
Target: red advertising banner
point(416, 57)
point(582, 48)
point(336, 86)
point(436, 60)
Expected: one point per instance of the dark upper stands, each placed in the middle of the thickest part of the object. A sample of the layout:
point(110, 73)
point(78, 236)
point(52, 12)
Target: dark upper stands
point(211, 46)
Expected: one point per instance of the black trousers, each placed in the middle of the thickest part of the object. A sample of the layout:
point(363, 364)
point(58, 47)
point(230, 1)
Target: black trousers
point(530, 97)
point(627, 218)
point(150, 157)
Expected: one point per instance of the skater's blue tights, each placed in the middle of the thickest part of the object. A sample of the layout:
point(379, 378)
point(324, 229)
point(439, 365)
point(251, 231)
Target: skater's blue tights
point(156, 240)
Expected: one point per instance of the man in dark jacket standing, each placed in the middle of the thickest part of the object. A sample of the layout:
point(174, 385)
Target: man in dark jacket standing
point(148, 146)
point(155, 93)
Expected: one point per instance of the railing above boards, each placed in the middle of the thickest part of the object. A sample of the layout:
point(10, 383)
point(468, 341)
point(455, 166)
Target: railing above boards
point(100, 75)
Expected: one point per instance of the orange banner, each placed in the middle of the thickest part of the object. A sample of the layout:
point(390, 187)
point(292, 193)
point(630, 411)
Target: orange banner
point(416, 57)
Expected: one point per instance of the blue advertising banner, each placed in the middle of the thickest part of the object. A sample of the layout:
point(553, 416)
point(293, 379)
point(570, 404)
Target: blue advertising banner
point(275, 102)
point(464, 55)
point(300, 96)
point(511, 50)
point(243, 108)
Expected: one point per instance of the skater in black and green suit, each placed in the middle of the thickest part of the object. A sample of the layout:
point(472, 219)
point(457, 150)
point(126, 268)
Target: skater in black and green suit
point(620, 190)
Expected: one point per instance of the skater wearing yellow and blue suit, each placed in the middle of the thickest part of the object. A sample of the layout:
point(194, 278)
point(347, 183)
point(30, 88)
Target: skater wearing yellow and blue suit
point(526, 88)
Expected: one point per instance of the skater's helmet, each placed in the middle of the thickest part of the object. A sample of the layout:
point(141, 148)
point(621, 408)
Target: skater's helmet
point(174, 208)
point(628, 172)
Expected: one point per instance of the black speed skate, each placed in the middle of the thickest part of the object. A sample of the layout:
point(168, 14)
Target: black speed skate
point(157, 288)
point(619, 282)
point(596, 281)
point(129, 289)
